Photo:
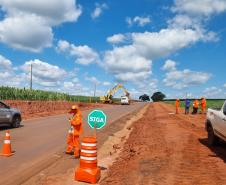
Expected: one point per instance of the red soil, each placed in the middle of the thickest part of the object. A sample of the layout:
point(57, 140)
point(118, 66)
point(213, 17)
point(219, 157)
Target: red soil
point(32, 109)
point(164, 148)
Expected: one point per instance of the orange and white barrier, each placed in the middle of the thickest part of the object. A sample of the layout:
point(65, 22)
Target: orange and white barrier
point(88, 170)
point(6, 151)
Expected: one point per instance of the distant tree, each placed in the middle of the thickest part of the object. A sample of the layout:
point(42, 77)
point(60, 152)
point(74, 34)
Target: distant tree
point(144, 97)
point(158, 96)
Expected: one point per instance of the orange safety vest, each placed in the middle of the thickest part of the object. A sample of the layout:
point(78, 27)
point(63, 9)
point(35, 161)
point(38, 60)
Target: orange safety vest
point(203, 103)
point(196, 104)
point(76, 122)
point(177, 103)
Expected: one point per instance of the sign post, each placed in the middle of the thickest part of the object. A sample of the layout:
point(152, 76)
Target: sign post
point(97, 119)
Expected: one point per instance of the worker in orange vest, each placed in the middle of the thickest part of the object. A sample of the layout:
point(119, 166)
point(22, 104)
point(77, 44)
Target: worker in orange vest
point(74, 131)
point(203, 105)
point(177, 104)
point(195, 106)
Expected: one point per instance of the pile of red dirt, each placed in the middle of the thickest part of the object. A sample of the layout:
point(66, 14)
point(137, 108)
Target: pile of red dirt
point(166, 148)
point(31, 109)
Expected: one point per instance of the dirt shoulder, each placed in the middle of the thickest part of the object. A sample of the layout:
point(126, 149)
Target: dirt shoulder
point(164, 148)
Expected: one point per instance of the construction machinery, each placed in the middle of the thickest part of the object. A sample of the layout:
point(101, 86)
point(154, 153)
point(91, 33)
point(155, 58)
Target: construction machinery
point(109, 97)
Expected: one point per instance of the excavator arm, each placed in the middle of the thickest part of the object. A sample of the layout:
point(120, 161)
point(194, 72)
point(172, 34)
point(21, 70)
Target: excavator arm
point(108, 98)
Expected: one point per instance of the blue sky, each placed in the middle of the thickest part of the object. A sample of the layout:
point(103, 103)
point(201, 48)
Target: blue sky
point(177, 47)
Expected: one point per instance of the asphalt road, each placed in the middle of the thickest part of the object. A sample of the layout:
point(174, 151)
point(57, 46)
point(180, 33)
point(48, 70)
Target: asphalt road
point(38, 142)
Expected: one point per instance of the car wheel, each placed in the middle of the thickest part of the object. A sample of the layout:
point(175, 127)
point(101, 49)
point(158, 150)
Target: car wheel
point(16, 121)
point(212, 139)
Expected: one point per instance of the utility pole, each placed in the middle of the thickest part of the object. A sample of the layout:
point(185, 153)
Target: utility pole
point(31, 78)
point(95, 87)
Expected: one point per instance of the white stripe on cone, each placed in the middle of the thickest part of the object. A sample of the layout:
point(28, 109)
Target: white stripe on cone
point(89, 144)
point(7, 141)
point(88, 158)
point(89, 151)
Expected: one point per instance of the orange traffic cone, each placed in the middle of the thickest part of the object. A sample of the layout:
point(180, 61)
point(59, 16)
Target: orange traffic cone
point(6, 151)
point(88, 170)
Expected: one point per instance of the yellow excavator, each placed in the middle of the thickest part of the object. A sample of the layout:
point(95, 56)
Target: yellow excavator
point(109, 97)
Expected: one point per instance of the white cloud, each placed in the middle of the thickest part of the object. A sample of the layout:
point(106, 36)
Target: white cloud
point(183, 21)
point(41, 16)
point(92, 79)
point(126, 64)
point(133, 62)
point(15, 32)
point(169, 65)
point(214, 92)
point(225, 85)
point(44, 73)
point(98, 10)
point(8, 77)
point(193, 14)
point(165, 42)
point(84, 54)
point(140, 21)
point(5, 63)
point(75, 88)
point(200, 7)
point(117, 38)
point(68, 85)
point(185, 78)
point(106, 83)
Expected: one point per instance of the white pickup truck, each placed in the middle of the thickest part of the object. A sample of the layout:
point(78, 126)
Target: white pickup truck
point(216, 125)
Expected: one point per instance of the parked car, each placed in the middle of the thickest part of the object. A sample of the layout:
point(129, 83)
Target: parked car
point(9, 116)
point(216, 125)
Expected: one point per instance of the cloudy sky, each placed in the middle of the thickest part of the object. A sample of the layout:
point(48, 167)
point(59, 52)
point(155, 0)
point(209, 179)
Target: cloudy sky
point(174, 46)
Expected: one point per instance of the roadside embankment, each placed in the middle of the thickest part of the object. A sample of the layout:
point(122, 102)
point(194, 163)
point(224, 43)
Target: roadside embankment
point(32, 109)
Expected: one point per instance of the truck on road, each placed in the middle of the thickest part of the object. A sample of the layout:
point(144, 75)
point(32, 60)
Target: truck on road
point(9, 116)
point(125, 100)
point(216, 125)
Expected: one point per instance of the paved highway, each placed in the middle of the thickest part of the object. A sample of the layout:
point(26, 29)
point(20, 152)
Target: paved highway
point(39, 142)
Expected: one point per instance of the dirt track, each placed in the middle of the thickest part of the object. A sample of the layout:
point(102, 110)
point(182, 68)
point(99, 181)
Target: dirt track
point(164, 148)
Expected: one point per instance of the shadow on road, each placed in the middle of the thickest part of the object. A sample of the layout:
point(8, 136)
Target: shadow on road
point(7, 127)
point(219, 150)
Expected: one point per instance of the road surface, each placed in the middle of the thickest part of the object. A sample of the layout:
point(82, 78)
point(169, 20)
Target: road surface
point(40, 142)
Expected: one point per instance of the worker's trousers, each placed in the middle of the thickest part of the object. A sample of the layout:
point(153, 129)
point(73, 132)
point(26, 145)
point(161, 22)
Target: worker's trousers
point(73, 144)
point(195, 110)
point(186, 110)
point(177, 110)
point(203, 109)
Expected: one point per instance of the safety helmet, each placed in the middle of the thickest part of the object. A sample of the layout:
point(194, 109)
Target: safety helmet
point(74, 108)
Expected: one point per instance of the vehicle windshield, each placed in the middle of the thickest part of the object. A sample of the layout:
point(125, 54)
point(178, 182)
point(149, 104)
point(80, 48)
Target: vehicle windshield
point(2, 105)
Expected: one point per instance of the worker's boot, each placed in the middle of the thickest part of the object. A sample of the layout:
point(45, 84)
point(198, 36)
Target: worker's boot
point(77, 152)
point(69, 149)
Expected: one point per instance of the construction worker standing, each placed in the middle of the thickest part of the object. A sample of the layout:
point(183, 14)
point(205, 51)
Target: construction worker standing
point(203, 105)
point(195, 106)
point(74, 131)
point(187, 105)
point(177, 104)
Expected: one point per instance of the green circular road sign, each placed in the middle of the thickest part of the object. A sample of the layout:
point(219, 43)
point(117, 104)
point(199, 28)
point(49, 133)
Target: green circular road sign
point(98, 118)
